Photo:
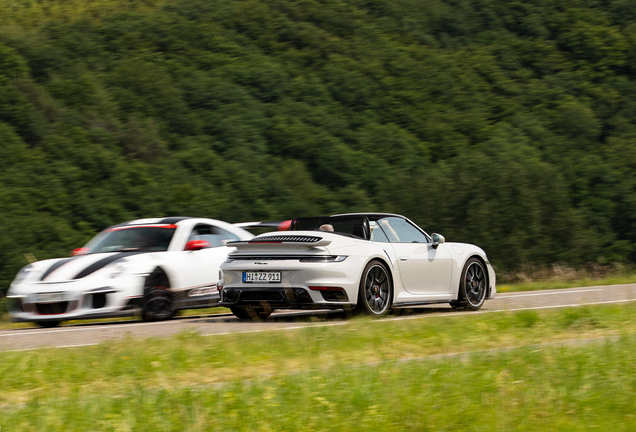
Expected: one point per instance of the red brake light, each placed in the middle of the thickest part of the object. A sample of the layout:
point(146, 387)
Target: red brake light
point(325, 288)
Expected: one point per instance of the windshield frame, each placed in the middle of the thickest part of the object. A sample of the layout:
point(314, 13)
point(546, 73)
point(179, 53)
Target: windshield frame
point(390, 236)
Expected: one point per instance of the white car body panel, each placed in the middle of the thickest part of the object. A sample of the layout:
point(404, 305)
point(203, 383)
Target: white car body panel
point(418, 261)
point(121, 276)
point(420, 272)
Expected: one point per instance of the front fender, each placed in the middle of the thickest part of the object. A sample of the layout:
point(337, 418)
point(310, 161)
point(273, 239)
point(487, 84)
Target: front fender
point(461, 253)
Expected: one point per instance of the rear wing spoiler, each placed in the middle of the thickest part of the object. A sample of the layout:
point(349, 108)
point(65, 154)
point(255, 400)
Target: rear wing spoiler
point(283, 240)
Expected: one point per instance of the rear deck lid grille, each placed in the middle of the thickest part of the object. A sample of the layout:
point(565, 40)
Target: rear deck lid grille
point(286, 239)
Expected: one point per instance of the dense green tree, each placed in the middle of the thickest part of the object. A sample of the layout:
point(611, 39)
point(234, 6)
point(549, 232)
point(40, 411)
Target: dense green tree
point(511, 125)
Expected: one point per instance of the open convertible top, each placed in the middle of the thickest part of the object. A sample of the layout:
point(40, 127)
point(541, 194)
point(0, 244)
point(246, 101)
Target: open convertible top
point(351, 225)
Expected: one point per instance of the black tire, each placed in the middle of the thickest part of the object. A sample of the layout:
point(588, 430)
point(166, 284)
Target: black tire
point(48, 324)
point(472, 286)
point(251, 313)
point(375, 293)
point(158, 302)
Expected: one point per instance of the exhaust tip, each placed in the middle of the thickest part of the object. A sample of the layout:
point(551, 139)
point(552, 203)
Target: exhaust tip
point(291, 295)
point(230, 296)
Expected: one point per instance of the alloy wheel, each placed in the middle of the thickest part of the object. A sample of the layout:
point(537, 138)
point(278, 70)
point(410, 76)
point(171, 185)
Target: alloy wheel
point(377, 289)
point(475, 284)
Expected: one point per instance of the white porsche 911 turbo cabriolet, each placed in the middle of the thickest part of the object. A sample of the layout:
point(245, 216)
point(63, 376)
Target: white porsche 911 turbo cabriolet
point(369, 262)
point(156, 266)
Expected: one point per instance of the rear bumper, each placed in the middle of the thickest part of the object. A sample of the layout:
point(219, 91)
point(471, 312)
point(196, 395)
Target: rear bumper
point(303, 285)
point(279, 298)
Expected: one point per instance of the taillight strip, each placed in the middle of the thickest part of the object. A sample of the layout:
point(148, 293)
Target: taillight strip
point(325, 288)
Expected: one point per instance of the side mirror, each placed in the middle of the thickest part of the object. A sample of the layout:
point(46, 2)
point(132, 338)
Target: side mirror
point(79, 251)
point(194, 245)
point(438, 239)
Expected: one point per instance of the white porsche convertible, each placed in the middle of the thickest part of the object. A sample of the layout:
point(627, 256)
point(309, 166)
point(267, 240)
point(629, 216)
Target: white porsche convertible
point(157, 266)
point(369, 262)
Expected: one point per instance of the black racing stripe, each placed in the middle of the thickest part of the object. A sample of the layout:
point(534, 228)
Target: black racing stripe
point(104, 262)
point(173, 220)
point(56, 266)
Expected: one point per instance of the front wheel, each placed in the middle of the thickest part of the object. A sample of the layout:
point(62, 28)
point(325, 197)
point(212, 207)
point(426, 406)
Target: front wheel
point(158, 303)
point(472, 287)
point(376, 290)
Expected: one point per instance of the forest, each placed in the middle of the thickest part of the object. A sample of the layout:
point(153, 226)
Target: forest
point(507, 124)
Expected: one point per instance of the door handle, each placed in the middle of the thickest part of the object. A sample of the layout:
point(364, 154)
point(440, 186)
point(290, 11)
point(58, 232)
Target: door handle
point(404, 258)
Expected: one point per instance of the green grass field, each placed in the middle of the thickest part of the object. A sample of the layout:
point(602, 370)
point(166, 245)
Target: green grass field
point(349, 376)
point(535, 390)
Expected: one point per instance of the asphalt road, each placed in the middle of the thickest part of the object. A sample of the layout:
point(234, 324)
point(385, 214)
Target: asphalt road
point(92, 334)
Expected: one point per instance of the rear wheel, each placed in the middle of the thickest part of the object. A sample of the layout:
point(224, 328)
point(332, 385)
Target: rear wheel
point(251, 313)
point(376, 290)
point(158, 301)
point(472, 287)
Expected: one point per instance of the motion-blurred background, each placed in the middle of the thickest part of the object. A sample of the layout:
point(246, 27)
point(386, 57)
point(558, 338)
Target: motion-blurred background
point(511, 125)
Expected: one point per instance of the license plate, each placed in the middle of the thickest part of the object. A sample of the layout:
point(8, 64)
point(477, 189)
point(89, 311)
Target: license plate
point(51, 297)
point(261, 277)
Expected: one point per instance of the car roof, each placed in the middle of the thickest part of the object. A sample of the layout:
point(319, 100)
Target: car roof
point(153, 221)
point(175, 220)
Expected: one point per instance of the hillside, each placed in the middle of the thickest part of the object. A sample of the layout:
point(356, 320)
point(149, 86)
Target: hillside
point(511, 125)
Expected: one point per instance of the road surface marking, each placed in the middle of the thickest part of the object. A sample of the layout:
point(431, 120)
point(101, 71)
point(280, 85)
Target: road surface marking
point(514, 295)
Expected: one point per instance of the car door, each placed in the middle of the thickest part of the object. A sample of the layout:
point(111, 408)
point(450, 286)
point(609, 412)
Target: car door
point(201, 267)
point(424, 270)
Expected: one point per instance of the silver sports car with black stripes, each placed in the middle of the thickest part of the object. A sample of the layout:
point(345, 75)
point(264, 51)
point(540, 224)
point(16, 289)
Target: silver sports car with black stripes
point(152, 266)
